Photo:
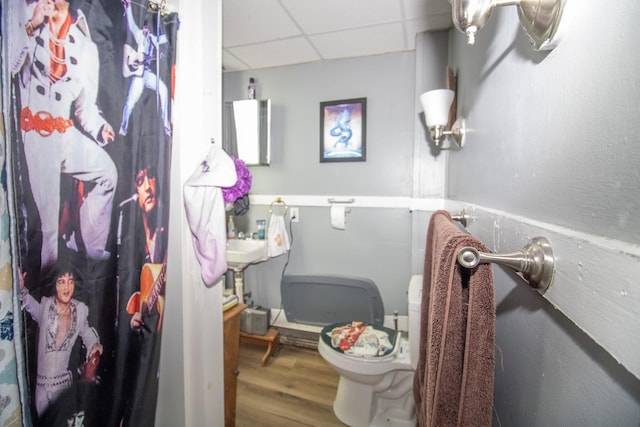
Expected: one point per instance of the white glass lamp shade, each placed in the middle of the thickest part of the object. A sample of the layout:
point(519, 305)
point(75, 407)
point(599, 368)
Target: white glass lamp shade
point(436, 105)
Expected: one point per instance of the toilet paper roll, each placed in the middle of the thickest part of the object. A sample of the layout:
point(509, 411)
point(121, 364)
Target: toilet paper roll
point(338, 217)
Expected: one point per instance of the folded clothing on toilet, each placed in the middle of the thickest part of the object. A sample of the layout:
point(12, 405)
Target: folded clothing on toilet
point(358, 339)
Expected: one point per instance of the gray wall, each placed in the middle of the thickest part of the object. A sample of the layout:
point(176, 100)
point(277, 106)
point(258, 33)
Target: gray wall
point(554, 136)
point(552, 139)
point(387, 81)
point(376, 243)
point(555, 139)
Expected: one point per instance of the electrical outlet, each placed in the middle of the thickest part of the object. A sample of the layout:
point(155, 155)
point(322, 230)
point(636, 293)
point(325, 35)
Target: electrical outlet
point(295, 215)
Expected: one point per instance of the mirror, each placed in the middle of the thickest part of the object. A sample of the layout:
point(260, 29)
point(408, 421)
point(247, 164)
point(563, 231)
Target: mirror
point(247, 130)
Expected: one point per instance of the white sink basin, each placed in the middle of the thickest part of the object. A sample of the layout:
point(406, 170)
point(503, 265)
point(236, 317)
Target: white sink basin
point(241, 253)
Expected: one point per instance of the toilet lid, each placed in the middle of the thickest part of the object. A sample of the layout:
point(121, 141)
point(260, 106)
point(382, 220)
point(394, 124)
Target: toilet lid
point(359, 339)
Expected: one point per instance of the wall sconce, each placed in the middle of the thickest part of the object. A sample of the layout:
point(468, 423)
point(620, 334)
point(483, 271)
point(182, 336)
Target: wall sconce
point(539, 18)
point(436, 105)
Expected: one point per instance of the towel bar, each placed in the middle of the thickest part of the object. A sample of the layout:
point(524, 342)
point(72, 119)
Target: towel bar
point(535, 262)
point(279, 200)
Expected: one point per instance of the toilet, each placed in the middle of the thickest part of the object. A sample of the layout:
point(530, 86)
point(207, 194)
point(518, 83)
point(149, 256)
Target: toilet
point(375, 386)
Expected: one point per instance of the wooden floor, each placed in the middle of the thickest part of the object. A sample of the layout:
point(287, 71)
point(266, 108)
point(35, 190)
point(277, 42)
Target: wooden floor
point(295, 388)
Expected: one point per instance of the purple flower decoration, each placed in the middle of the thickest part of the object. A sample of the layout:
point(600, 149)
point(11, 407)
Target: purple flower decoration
point(242, 185)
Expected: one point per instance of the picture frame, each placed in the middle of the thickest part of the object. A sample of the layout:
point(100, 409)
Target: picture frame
point(343, 130)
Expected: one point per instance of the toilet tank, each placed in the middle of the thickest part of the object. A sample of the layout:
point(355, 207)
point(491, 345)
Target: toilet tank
point(415, 304)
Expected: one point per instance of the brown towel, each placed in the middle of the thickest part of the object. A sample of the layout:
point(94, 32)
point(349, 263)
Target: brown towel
point(453, 383)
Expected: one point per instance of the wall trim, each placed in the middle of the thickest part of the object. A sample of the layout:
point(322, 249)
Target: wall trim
point(596, 280)
point(412, 204)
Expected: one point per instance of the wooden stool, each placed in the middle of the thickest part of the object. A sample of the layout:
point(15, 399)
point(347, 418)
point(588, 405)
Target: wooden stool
point(270, 339)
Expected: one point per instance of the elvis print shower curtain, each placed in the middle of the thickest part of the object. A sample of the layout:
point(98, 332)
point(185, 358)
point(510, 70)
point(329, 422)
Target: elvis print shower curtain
point(89, 142)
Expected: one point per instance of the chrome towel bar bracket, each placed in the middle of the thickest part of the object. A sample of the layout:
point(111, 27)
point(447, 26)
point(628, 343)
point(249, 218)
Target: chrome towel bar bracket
point(463, 218)
point(535, 262)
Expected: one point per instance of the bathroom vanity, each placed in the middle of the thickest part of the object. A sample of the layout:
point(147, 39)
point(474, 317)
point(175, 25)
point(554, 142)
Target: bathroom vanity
point(231, 319)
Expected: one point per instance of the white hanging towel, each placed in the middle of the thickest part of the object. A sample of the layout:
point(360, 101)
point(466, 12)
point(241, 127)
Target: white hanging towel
point(204, 204)
point(277, 237)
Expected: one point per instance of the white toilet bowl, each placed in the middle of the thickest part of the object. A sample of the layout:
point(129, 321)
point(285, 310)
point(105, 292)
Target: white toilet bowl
point(373, 391)
point(378, 391)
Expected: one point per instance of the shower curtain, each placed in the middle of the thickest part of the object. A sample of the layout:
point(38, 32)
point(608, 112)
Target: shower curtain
point(88, 116)
point(10, 408)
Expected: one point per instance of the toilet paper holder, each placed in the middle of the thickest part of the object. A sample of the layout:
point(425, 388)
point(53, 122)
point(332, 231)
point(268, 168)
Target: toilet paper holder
point(332, 201)
point(339, 212)
point(345, 201)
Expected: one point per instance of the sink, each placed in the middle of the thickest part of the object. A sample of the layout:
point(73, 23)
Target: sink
point(241, 253)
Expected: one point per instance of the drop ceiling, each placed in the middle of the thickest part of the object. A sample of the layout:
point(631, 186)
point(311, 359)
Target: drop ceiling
point(272, 33)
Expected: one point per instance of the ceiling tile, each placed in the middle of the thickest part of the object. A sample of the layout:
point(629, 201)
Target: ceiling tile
point(439, 7)
point(271, 33)
point(360, 42)
point(315, 17)
point(416, 9)
point(231, 63)
point(254, 21)
point(275, 53)
point(439, 22)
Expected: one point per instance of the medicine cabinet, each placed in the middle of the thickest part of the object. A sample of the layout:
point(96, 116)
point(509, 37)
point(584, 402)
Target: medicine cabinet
point(247, 130)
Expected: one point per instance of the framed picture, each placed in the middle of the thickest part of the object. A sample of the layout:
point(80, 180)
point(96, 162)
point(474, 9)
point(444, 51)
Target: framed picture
point(343, 130)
